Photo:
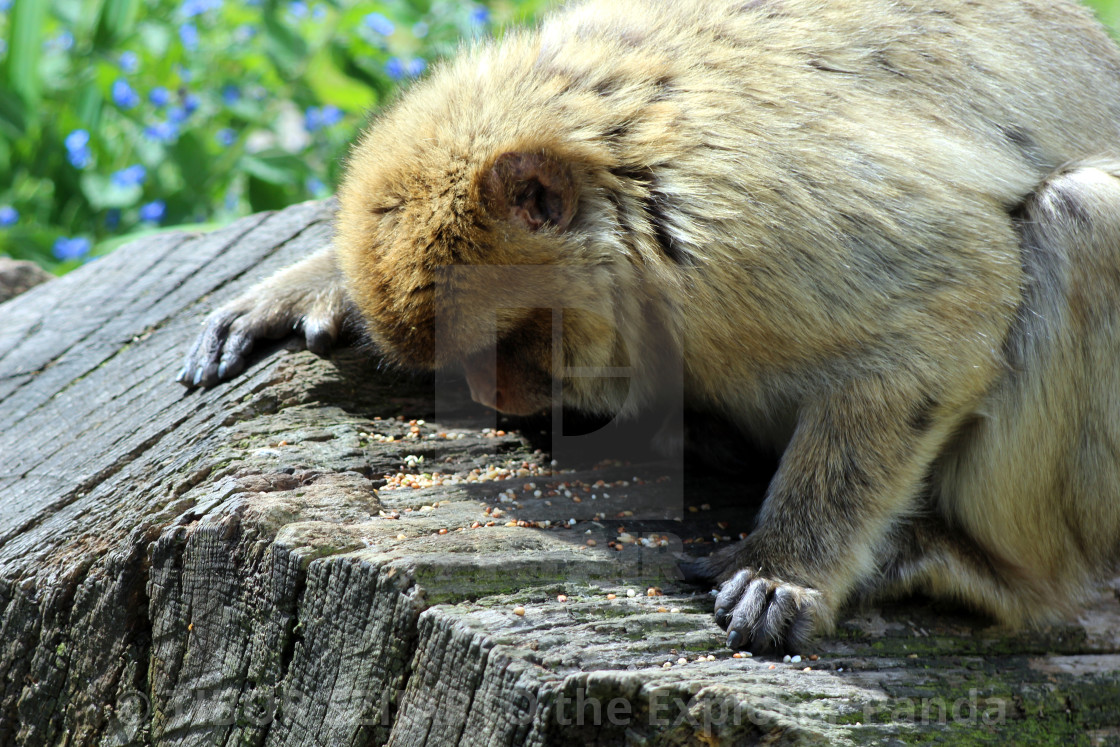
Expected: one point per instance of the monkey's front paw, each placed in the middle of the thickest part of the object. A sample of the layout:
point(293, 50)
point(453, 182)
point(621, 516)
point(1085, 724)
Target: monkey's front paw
point(221, 351)
point(762, 614)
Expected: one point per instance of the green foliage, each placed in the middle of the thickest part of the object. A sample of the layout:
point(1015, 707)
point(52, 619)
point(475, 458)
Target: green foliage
point(119, 117)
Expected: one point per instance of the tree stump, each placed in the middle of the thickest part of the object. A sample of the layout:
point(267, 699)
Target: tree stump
point(250, 564)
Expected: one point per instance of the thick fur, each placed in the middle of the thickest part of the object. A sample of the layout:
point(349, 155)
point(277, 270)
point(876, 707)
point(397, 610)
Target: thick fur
point(883, 236)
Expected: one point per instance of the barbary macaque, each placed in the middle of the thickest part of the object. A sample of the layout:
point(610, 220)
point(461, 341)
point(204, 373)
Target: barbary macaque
point(883, 236)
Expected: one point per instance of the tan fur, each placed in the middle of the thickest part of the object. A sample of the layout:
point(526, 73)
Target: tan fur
point(883, 236)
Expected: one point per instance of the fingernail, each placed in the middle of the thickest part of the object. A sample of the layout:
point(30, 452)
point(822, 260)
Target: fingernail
point(198, 377)
point(222, 370)
point(721, 617)
point(734, 640)
point(182, 374)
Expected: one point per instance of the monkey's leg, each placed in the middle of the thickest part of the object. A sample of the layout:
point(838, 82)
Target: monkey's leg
point(308, 300)
point(852, 470)
point(927, 555)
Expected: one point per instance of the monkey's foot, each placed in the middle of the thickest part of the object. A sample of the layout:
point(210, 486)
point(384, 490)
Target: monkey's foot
point(762, 614)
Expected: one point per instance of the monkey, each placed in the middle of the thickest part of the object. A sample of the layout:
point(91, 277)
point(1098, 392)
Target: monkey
point(882, 236)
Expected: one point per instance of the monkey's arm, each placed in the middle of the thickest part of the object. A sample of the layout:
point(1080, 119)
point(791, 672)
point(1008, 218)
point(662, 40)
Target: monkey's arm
point(853, 467)
point(307, 300)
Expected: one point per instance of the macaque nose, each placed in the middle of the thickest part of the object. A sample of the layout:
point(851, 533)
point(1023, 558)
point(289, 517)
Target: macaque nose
point(482, 377)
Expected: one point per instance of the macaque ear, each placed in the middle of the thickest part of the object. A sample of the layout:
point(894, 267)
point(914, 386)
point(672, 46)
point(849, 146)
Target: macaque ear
point(531, 190)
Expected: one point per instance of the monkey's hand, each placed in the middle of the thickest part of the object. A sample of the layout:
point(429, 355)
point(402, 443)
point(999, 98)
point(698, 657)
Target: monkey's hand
point(763, 614)
point(306, 301)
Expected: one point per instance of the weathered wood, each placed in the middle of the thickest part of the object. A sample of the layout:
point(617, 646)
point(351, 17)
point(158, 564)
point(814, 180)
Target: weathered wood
point(218, 567)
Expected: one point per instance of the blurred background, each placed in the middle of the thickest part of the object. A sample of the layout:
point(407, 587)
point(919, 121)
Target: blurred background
point(121, 117)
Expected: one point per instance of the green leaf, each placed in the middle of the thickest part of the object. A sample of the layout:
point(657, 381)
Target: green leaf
point(13, 115)
point(89, 106)
point(103, 194)
point(25, 46)
point(116, 21)
point(265, 196)
point(284, 46)
point(274, 167)
point(193, 162)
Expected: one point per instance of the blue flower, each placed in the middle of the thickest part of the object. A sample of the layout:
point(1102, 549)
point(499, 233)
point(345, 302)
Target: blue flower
point(5, 5)
point(184, 73)
point(159, 96)
point(188, 34)
point(315, 186)
point(77, 149)
point(231, 94)
point(123, 95)
point(315, 118)
point(153, 211)
point(319, 12)
point(312, 118)
point(298, 9)
point(190, 103)
point(9, 216)
point(63, 42)
point(77, 140)
point(378, 24)
point(71, 248)
point(177, 115)
point(133, 176)
point(162, 132)
point(480, 16)
point(396, 68)
point(129, 62)
point(79, 157)
point(330, 115)
point(420, 29)
point(192, 8)
point(226, 137)
point(113, 218)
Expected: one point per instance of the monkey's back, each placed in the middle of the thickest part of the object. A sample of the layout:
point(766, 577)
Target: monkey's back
point(832, 174)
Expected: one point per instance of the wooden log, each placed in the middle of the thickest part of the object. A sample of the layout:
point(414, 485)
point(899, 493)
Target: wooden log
point(233, 566)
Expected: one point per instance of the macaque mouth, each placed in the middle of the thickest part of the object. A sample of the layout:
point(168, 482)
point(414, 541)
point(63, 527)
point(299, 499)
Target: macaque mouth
point(505, 386)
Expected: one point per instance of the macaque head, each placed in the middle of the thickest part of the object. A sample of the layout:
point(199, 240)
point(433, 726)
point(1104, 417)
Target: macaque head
point(487, 262)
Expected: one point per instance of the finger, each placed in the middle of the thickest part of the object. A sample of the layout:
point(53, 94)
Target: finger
point(748, 612)
point(775, 622)
point(200, 366)
point(729, 595)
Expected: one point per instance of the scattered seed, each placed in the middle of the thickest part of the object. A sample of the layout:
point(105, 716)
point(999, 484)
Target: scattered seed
point(519, 611)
